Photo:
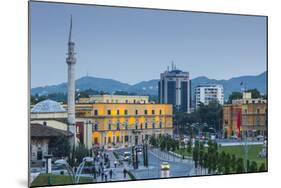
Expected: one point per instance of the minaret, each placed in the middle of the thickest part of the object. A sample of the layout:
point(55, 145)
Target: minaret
point(71, 61)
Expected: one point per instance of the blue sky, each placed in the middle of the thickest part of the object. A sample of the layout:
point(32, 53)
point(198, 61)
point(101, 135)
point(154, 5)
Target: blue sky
point(133, 45)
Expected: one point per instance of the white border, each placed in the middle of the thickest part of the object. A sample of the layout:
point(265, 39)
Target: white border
point(13, 93)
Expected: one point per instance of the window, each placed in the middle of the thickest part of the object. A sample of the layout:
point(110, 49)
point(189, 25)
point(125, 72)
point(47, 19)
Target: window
point(258, 110)
point(117, 139)
point(118, 112)
point(96, 112)
point(145, 125)
point(95, 127)
point(136, 126)
point(108, 112)
point(126, 124)
point(153, 125)
point(126, 138)
point(126, 101)
point(118, 126)
point(109, 140)
point(145, 112)
point(141, 126)
point(153, 112)
point(160, 112)
point(95, 140)
point(160, 124)
point(109, 125)
point(126, 112)
point(136, 112)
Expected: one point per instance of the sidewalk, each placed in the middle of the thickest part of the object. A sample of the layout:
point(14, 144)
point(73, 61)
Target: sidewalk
point(117, 172)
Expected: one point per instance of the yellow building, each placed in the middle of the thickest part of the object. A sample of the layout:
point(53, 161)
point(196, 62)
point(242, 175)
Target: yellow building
point(121, 125)
point(115, 99)
point(253, 116)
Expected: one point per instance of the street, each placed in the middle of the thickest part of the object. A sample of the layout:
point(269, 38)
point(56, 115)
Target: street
point(178, 167)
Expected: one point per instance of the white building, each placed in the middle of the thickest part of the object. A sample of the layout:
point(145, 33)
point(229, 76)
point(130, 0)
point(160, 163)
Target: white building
point(205, 93)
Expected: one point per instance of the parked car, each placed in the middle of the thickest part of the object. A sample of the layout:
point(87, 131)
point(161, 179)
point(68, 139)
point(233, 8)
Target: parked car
point(165, 166)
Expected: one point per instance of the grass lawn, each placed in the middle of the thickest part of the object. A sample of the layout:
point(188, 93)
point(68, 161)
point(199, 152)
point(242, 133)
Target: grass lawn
point(253, 151)
point(42, 179)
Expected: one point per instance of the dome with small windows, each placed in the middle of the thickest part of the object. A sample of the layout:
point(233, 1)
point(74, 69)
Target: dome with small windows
point(47, 106)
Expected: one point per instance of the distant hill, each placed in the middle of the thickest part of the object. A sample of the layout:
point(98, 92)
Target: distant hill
point(151, 87)
point(233, 84)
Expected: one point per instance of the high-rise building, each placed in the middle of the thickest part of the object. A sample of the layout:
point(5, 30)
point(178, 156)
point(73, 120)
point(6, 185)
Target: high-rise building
point(71, 61)
point(205, 93)
point(174, 88)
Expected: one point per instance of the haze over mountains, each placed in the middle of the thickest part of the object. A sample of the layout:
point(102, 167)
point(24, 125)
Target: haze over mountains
point(151, 87)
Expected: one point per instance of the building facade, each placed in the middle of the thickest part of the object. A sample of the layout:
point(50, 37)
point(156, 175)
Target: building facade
point(174, 88)
point(115, 99)
point(121, 125)
point(245, 116)
point(205, 93)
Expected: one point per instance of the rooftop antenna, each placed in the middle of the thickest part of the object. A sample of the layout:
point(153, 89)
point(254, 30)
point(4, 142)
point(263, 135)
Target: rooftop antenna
point(172, 65)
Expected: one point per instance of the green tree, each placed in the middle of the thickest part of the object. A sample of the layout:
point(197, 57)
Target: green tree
point(59, 147)
point(240, 166)
point(196, 153)
point(262, 168)
point(233, 163)
point(80, 152)
point(253, 167)
point(234, 95)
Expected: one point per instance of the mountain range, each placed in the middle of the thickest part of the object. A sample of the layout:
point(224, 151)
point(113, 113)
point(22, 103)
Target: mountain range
point(151, 87)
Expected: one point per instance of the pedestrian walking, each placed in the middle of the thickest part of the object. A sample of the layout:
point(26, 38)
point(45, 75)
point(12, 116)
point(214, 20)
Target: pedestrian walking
point(110, 173)
point(102, 176)
point(115, 164)
point(124, 172)
point(105, 177)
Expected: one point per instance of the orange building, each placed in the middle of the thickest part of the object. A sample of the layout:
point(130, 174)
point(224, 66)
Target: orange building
point(120, 124)
point(253, 117)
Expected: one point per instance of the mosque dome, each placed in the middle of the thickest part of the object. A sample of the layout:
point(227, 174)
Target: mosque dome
point(47, 106)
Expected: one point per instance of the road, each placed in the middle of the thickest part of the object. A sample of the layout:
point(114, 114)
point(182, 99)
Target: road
point(178, 167)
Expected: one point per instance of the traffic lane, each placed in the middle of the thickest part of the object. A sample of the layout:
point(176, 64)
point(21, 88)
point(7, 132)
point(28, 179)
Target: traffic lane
point(177, 169)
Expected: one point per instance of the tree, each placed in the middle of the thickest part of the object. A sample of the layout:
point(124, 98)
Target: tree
point(59, 147)
point(233, 163)
point(234, 95)
point(253, 167)
point(196, 153)
point(189, 145)
point(240, 166)
point(262, 168)
point(80, 152)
